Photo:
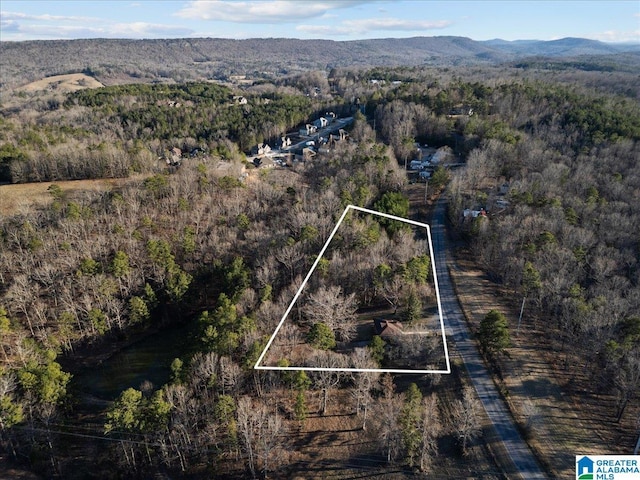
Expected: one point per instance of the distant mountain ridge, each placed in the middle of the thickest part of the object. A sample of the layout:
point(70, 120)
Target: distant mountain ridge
point(196, 58)
point(562, 47)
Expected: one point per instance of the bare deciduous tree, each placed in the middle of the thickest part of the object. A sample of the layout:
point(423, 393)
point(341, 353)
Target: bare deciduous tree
point(331, 307)
point(325, 381)
point(466, 418)
point(431, 427)
point(262, 434)
point(363, 382)
point(386, 429)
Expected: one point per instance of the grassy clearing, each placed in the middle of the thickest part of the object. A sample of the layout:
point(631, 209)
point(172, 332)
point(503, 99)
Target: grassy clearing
point(63, 83)
point(23, 197)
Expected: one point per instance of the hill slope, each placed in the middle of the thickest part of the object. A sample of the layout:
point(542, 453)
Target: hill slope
point(188, 59)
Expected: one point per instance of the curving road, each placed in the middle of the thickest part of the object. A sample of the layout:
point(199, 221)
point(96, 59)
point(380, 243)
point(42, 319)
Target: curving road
point(457, 330)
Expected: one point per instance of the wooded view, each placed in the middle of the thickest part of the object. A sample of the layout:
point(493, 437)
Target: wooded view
point(189, 256)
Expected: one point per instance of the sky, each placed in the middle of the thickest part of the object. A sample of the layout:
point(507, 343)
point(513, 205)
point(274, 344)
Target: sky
point(605, 20)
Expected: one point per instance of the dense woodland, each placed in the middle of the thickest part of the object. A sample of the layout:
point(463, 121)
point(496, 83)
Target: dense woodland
point(553, 163)
point(194, 59)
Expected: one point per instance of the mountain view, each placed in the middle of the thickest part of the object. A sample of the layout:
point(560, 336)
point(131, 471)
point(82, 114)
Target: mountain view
point(194, 59)
point(311, 240)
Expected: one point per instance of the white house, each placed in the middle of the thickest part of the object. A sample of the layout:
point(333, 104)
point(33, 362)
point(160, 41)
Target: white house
point(441, 155)
point(308, 130)
point(285, 142)
point(262, 149)
point(321, 122)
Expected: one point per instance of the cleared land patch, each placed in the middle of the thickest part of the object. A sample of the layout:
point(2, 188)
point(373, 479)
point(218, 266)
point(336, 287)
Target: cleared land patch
point(15, 198)
point(62, 83)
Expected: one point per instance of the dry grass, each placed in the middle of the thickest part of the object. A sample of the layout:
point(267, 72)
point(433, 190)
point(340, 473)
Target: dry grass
point(62, 83)
point(24, 197)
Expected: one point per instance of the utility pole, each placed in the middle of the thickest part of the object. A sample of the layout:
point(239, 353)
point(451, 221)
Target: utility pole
point(524, 299)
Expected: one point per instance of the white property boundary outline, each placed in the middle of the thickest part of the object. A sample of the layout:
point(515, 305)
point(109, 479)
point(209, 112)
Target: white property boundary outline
point(257, 366)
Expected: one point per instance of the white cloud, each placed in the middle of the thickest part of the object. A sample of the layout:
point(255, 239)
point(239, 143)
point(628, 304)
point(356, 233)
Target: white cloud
point(146, 30)
point(56, 31)
point(8, 26)
point(117, 30)
point(45, 17)
point(395, 24)
point(614, 36)
point(362, 26)
point(272, 11)
point(324, 30)
point(19, 26)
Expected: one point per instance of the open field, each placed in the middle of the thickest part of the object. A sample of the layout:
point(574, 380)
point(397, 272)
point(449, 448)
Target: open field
point(62, 83)
point(16, 198)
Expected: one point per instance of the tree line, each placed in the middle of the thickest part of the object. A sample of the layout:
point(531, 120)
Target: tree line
point(200, 243)
point(122, 130)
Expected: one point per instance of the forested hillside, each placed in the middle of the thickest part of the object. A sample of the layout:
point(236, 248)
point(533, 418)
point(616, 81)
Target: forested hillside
point(213, 244)
point(560, 178)
point(118, 61)
point(119, 130)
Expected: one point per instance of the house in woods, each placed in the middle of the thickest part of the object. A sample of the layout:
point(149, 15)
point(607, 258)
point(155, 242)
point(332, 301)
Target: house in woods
point(173, 157)
point(461, 110)
point(264, 162)
point(442, 155)
point(387, 329)
point(239, 100)
point(468, 212)
point(240, 80)
point(307, 154)
point(285, 142)
point(334, 139)
point(308, 130)
point(261, 149)
point(321, 123)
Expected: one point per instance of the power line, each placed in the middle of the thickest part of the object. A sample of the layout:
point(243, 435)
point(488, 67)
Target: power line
point(375, 464)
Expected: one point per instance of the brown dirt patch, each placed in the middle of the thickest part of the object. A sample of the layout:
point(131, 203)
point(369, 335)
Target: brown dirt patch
point(335, 446)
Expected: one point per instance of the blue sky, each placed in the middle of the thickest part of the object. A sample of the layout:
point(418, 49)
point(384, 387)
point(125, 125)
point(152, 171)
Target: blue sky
point(605, 20)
